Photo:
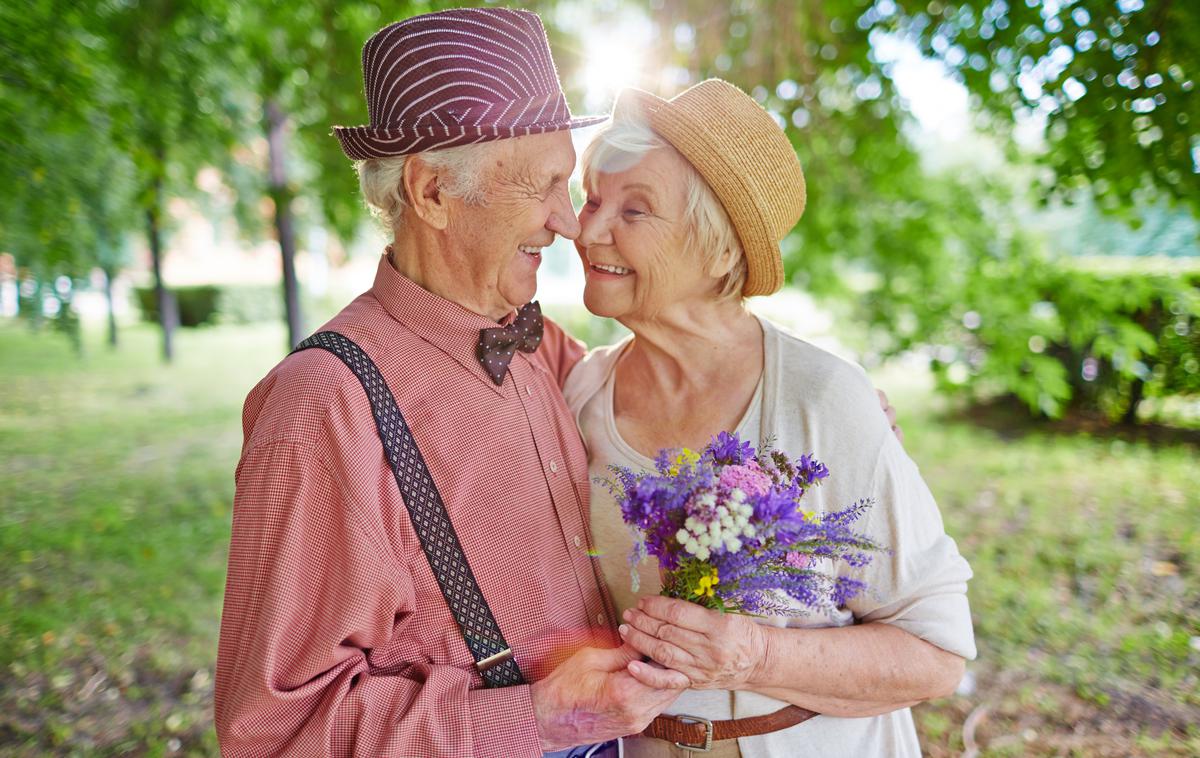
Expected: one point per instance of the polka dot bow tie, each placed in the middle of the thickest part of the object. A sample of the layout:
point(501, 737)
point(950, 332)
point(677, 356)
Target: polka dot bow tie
point(496, 346)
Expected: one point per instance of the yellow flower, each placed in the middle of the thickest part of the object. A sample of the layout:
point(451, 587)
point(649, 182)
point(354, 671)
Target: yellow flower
point(707, 585)
point(685, 458)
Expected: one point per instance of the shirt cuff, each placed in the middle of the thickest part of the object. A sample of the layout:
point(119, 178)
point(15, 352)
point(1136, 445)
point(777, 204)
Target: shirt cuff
point(502, 722)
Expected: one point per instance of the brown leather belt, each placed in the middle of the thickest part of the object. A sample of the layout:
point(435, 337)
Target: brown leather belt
point(698, 734)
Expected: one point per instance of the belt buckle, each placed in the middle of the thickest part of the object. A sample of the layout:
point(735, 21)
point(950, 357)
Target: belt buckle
point(708, 733)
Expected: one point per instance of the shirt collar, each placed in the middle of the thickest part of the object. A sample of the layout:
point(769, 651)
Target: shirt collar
point(442, 323)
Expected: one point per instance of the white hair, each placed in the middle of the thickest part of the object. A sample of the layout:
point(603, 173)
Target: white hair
point(711, 236)
point(461, 174)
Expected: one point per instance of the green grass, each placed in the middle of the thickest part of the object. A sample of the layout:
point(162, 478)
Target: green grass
point(116, 478)
point(1086, 596)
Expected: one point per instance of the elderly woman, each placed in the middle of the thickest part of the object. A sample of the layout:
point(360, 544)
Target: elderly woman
point(687, 201)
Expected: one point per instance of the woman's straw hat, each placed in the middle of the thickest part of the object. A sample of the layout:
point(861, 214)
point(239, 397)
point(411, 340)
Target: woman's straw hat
point(744, 156)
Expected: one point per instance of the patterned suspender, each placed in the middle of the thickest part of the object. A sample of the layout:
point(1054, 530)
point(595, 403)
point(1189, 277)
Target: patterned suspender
point(493, 657)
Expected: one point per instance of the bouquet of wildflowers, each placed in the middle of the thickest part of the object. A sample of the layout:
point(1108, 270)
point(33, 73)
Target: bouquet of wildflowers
point(730, 533)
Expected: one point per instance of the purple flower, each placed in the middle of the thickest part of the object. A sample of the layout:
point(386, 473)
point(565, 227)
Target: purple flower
point(809, 470)
point(728, 450)
point(763, 554)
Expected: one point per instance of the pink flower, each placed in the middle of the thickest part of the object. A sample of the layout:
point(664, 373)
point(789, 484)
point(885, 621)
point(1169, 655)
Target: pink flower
point(798, 560)
point(748, 478)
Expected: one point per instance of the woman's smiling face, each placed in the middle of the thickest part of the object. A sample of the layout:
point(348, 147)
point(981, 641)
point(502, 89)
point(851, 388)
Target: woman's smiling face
point(633, 239)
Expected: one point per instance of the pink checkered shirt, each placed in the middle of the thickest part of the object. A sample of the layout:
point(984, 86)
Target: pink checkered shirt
point(335, 639)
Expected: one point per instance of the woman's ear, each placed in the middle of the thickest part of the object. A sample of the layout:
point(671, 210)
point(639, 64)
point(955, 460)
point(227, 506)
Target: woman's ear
point(425, 197)
point(722, 264)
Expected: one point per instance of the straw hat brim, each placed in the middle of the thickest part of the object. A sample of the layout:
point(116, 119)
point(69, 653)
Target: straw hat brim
point(702, 139)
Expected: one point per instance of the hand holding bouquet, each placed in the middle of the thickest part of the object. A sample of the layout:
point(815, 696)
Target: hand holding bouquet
point(730, 533)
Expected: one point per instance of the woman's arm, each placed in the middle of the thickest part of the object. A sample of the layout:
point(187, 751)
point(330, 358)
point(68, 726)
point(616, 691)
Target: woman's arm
point(851, 671)
point(854, 671)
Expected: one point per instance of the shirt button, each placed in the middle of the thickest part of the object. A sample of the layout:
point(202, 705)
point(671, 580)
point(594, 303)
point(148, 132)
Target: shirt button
point(528, 389)
point(578, 542)
point(600, 619)
point(553, 467)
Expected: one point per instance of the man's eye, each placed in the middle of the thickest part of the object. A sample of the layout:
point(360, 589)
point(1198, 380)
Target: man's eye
point(633, 212)
point(591, 204)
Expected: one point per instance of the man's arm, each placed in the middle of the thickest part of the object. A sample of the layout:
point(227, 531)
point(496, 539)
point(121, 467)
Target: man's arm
point(310, 591)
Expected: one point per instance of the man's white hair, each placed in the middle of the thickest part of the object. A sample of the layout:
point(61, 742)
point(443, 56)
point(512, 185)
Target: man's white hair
point(711, 236)
point(461, 174)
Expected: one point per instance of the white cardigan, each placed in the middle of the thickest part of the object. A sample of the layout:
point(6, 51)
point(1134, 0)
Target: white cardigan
point(812, 402)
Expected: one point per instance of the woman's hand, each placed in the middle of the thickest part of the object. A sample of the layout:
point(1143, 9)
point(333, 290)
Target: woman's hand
point(717, 651)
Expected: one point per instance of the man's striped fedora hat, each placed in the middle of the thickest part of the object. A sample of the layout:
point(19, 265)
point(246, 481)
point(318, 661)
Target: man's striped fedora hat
point(456, 77)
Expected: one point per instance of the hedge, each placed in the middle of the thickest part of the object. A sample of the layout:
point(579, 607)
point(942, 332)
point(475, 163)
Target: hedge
point(1060, 337)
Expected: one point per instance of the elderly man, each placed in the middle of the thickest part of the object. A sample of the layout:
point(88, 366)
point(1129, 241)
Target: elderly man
point(440, 602)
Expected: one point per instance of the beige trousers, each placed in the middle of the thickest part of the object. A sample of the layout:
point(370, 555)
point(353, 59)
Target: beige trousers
point(644, 747)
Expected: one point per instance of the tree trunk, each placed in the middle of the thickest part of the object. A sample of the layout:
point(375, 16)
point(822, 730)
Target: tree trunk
point(112, 311)
point(282, 195)
point(1137, 392)
point(167, 316)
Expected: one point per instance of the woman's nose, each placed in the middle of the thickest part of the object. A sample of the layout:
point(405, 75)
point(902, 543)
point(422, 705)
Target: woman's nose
point(593, 229)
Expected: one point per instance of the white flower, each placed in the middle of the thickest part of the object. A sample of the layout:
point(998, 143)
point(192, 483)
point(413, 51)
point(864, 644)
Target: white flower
point(702, 553)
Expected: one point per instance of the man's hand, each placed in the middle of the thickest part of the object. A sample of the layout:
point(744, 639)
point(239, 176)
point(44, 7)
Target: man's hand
point(593, 696)
point(890, 412)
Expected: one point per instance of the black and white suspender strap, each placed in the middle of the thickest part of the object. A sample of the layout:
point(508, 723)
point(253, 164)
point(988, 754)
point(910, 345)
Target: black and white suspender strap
point(427, 511)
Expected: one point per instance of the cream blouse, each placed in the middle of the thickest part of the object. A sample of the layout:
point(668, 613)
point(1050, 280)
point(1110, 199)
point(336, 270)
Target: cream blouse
point(807, 401)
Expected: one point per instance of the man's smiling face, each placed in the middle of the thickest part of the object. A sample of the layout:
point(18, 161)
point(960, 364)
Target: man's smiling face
point(526, 203)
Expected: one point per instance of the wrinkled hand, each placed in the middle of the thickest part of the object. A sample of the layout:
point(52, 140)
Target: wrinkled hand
point(890, 412)
point(598, 695)
point(719, 651)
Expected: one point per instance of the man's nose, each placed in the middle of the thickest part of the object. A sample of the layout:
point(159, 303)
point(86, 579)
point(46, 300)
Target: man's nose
point(562, 219)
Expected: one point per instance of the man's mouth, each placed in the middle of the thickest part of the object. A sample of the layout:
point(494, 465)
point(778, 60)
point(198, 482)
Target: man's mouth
point(530, 250)
point(604, 268)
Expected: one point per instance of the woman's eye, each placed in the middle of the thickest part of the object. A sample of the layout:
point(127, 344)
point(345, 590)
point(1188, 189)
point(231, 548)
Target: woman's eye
point(633, 212)
point(591, 204)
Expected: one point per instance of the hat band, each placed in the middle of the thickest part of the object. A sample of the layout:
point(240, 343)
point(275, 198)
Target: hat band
point(458, 116)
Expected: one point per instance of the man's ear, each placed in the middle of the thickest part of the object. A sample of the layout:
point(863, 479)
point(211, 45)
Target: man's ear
point(424, 195)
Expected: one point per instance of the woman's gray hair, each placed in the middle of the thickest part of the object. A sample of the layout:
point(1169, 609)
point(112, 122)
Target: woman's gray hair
point(711, 236)
point(461, 175)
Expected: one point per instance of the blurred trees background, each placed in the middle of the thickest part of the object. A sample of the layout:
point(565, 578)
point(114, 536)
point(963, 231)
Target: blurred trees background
point(110, 108)
point(944, 259)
